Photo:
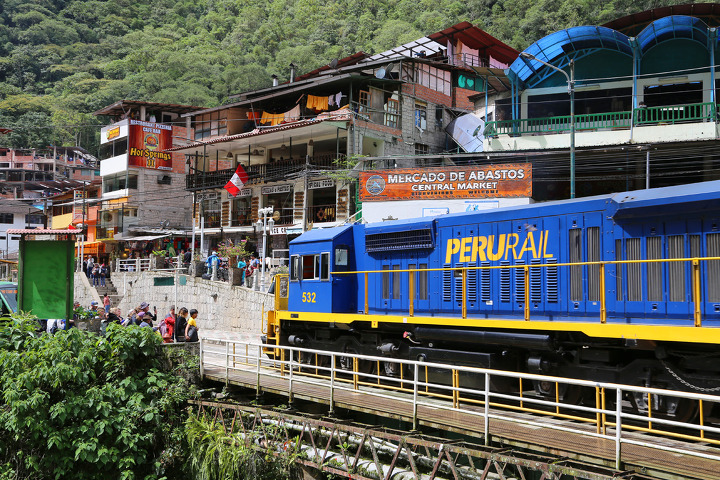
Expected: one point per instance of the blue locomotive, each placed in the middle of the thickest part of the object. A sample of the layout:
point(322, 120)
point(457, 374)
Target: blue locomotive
point(622, 288)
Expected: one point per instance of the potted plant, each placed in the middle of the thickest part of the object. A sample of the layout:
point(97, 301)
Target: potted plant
point(233, 252)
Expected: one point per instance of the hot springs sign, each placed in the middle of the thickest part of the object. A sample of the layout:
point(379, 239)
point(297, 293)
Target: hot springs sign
point(449, 182)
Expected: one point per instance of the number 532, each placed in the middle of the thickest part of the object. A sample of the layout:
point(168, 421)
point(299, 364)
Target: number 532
point(308, 297)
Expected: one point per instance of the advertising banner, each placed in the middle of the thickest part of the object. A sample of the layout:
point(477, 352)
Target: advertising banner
point(492, 181)
point(147, 144)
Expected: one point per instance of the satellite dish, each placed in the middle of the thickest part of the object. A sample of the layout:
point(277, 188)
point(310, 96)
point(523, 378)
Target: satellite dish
point(384, 72)
point(334, 64)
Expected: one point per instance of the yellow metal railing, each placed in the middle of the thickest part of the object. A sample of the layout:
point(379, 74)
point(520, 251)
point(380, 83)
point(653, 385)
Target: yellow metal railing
point(696, 287)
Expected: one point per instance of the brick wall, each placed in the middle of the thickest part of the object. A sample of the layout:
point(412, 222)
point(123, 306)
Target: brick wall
point(462, 99)
point(157, 203)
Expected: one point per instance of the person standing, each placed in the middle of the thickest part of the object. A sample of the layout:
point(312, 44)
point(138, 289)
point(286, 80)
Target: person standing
point(211, 262)
point(191, 329)
point(102, 272)
point(106, 303)
point(242, 265)
point(90, 265)
point(180, 324)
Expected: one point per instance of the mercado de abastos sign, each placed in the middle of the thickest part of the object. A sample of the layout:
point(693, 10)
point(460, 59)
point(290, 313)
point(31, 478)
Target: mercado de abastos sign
point(510, 180)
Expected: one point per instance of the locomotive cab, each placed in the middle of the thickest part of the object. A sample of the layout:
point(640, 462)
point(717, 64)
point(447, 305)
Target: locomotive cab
point(318, 259)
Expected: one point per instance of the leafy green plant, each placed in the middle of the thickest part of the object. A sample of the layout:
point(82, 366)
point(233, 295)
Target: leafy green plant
point(80, 406)
point(229, 249)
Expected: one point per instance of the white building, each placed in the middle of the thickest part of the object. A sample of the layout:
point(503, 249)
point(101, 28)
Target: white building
point(16, 215)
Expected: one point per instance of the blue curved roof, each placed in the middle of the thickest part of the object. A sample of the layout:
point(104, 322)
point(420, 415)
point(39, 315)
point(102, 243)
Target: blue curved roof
point(674, 26)
point(556, 45)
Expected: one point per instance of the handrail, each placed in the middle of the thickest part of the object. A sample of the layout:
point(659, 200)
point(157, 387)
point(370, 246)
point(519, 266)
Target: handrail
point(662, 115)
point(481, 402)
point(695, 265)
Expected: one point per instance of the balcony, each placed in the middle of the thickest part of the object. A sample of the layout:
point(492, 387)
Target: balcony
point(647, 116)
point(263, 173)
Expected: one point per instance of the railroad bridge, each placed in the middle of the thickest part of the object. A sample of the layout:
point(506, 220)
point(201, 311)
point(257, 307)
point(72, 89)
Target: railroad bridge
point(478, 432)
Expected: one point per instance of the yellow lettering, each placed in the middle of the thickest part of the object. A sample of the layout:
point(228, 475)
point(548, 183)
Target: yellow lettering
point(511, 245)
point(500, 248)
point(465, 249)
point(479, 245)
point(453, 246)
point(525, 248)
point(545, 254)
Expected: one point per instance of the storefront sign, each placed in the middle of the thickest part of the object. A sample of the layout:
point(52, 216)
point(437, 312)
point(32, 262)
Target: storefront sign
point(147, 144)
point(287, 188)
point(514, 180)
point(113, 133)
point(207, 196)
point(321, 184)
point(245, 192)
point(278, 231)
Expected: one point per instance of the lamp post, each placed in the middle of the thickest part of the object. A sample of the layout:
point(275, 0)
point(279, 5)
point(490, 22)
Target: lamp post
point(571, 90)
point(264, 213)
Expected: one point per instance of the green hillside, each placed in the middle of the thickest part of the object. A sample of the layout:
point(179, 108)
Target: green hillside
point(60, 60)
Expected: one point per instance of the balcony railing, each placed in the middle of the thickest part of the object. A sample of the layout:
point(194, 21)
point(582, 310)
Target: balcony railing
point(666, 115)
point(267, 172)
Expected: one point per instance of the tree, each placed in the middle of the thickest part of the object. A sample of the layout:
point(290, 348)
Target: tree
point(76, 405)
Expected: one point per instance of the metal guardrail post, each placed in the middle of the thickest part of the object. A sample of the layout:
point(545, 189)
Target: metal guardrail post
point(526, 274)
point(257, 386)
point(603, 305)
point(332, 384)
point(202, 369)
point(696, 292)
point(464, 293)
point(487, 409)
point(618, 429)
point(290, 381)
point(415, 396)
point(227, 364)
point(411, 292)
point(367, 306)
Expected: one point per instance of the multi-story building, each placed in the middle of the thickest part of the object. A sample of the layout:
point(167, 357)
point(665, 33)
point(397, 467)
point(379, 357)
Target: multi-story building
point(142, 185)
point(15, 214)
point(32, 173)
point(80, 207)
point(293, 138)
point(631, 104)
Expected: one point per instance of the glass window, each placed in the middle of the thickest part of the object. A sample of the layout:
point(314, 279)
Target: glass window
point(325, 266)
point(421, 116)
point(341, 257)
point(6, 218)
point(295, 267)
point(308, 267)
point(34, 219)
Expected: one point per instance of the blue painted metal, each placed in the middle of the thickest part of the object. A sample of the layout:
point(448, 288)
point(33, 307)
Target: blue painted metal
point(673, 27)
point(622, 226)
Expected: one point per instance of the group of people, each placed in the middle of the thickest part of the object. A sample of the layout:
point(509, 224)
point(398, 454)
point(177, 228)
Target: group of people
point(174, 327)
point(95, 271)
point(248, 265)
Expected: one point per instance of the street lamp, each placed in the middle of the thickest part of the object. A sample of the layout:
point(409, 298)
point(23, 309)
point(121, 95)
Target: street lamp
point(571, 90)
point(264, 213)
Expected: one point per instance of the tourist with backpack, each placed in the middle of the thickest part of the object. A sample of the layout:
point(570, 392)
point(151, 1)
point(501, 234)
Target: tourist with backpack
point(191, 329)
point(167, 326)
point(180, 324)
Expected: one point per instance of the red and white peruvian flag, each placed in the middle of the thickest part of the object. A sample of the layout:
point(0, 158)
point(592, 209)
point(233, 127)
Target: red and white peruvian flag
point(237, 181)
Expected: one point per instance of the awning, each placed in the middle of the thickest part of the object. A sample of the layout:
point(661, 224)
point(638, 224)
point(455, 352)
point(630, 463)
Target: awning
point(141, 239)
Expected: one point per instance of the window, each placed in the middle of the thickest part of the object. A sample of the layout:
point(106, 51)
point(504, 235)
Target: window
point(37, 219)
point(324, 266)
point(310, 264)
point(421, 116)
point(422, 149)
point(392, 117)
point(113, 149)
point(364, 101)
point(6, 218)
point(433, 78)
point(341, 257)
point(295, 268)
point(212, 124)
point(120, 181)
point(471, 82)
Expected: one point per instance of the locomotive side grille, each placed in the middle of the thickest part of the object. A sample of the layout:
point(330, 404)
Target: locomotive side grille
point(713, 250)
point(654, 270)
point(634, 274)
point(519, 282)
point(394, 241)
point(676, 270)
point(472, 283)
point(535, 281)
point(619, 271)
point(485, 282)
point(576, 271)
point(386, 283)
point(396, 280)
point(505, 282)
point(457, 276)
point(593, 254)
point(695, 252)
point(447, 283)
point(423, 282)
point(552, 281)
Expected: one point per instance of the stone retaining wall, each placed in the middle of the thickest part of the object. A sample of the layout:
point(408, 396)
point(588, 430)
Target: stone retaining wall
point(84, 292)
point(221, 307)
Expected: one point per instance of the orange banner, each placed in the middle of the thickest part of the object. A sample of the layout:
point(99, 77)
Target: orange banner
point(147, 144)
point(514, 180)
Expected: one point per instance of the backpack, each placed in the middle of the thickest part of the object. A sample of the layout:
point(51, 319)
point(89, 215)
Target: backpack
point(192, 335)
point(163, 328)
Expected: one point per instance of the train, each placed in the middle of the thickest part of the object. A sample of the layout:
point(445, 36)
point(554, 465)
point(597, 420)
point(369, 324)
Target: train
point(621, 288)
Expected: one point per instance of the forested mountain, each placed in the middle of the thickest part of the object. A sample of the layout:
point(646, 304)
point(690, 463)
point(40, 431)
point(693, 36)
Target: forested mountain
point(60, 60)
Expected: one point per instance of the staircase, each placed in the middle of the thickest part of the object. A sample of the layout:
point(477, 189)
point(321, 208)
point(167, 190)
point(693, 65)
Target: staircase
point(112, 292)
